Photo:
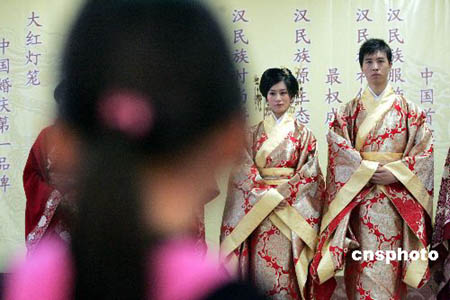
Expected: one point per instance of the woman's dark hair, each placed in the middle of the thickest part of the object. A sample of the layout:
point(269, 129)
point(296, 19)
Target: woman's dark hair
point(145, 81)
point(372, 46)
point(60, 91)
point(270, 77)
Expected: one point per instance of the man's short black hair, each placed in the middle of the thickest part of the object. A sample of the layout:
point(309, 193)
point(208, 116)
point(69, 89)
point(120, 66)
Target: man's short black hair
point(372, 46)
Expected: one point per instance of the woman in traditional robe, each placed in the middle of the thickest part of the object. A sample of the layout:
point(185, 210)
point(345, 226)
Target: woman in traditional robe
point(441, 234)
point(273, 208)
point(48, 185)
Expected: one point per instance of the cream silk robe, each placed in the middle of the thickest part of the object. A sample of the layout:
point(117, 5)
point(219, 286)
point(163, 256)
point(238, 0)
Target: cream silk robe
point(273, 246)
point(357, 214)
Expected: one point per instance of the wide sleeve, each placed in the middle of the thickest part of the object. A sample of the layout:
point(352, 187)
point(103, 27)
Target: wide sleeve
point(348, 176)
point(35, 183)
point(246, 188)
point(347, 173)
point(416, 169)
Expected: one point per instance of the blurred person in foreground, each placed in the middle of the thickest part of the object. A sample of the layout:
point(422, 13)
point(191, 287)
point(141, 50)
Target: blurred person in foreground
point(153, 98)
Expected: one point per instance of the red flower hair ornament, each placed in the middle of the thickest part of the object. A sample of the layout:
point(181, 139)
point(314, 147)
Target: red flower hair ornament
point(126, 111)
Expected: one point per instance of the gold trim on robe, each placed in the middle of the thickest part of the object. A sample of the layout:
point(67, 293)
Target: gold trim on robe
point(250, 221)
point(349, 191)
point(276, 133)
point(412, 183)
point(376, 110)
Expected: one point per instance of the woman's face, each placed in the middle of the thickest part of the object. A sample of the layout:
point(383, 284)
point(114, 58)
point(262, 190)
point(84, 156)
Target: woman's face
point(279, 99)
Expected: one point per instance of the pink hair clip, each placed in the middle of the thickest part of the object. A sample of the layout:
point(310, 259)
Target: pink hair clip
point(126, 111)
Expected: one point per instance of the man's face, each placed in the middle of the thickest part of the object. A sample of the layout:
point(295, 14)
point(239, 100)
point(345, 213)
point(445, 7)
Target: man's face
point(376, 68)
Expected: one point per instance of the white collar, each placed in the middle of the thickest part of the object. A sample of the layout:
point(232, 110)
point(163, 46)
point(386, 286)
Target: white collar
point(278, 120)
point(380, 96)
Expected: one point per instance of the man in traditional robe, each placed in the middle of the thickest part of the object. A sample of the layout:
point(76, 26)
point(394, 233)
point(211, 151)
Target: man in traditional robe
point(379, 189)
